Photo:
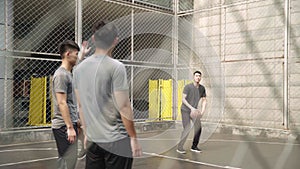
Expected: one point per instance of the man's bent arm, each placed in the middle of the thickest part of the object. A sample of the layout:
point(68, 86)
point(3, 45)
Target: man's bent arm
point(203, 106)
point(184, 101)
point(64, 109)
point(123, 103)
point(82, 121)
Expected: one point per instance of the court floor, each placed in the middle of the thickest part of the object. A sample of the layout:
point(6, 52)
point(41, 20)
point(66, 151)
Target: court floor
point(219, 151)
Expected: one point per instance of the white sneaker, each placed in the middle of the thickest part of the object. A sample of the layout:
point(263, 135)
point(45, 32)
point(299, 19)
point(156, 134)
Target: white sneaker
point(81, 155)
point(181, 151)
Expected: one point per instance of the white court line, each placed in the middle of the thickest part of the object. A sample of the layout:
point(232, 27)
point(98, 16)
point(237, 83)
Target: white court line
point(152, 154)
point(28, 149)
point(191, 161)
point(23, 144)
point(236, 141)
point(258, 142)
point(28, 161)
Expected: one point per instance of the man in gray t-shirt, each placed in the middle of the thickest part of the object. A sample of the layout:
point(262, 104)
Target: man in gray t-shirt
point(62, 83)
point(192, 94)
point(96, 78)
point(103, 96)
point(64, 122)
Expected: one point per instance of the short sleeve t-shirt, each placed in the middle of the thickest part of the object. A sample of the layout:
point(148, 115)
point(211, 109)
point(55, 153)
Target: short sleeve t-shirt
point(96, 79)
point(62, 83)
point(193, 95)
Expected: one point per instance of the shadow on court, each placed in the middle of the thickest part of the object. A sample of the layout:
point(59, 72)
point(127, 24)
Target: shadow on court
point(220, 151)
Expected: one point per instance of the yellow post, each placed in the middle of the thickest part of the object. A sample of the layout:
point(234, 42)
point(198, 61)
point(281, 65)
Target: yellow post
point(51, 97)
point(44, 100)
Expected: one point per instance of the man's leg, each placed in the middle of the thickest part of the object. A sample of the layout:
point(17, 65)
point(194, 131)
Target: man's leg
point(67, 153)
point(186, 129)
point(81, 153)
point(71, 155)
point(197, 132)
point(114, 161)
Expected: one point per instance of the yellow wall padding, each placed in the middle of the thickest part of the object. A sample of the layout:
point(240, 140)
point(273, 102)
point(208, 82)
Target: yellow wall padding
point(153, 99)
point(180, 86)
point(166, 99)
point(160, 99)
point(37, 105)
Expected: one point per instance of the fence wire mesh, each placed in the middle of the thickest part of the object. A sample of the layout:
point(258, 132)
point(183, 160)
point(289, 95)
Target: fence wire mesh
point(294, 65)
point(28, 98)
point(38, 26)
point(239, 46)
point(246, 36)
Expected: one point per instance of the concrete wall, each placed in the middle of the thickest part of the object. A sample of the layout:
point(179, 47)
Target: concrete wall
point(249, 39)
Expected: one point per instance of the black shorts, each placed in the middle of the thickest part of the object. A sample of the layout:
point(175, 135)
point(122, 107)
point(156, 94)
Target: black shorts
point(67, 152)
point(115, 155)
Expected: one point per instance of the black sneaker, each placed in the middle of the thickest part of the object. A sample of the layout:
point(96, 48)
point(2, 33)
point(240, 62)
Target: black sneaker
point(196, 149)
point(181, 151)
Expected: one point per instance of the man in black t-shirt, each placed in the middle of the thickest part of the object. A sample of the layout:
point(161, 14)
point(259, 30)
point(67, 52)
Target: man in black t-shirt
point(192, 93)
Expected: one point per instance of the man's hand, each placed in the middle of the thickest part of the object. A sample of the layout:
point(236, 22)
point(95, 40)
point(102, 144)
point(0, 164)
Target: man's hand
point(71, 135)
point(84, 49)
point(136, 148)
point(194, 113)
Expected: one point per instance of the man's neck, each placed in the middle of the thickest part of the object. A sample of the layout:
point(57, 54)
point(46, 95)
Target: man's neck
point(66, 65)
point(196, 84)
point(101, 52)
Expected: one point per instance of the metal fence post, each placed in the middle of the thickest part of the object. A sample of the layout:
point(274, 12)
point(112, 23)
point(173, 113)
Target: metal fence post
point(175, 57)
point(78, 22)
point(286, 66)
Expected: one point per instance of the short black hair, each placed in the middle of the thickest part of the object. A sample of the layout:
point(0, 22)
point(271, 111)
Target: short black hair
point(67, 45)
point(197, 72)
point(98, 25)
point(105, 36)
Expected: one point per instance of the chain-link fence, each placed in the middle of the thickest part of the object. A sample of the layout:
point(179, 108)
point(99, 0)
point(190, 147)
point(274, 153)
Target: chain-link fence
point(294, 63)
point(28, 93)
point(238, 45)
point(250, 38)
